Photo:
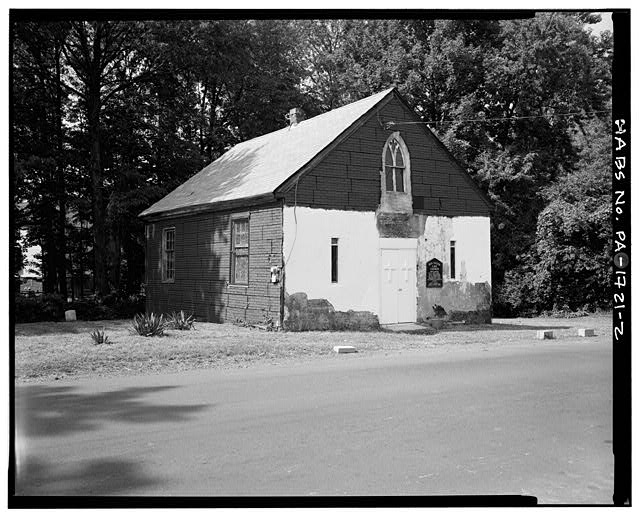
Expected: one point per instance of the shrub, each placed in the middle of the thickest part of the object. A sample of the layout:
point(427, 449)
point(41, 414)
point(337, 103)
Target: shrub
point(92, 309)
point(44, 308)
point(99, 337)
point(51, 307)
point(128, 306)
point(180, 321)
point(149, 325)
point(124, 305)
point(111, 306)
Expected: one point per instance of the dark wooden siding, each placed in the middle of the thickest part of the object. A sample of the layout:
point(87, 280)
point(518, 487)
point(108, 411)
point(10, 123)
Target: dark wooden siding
point(349, 177)
point(202, 266)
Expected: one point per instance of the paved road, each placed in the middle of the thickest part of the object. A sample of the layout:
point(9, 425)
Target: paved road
point(532, 419)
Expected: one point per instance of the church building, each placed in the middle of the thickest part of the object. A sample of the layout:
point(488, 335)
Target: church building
point(347, 220)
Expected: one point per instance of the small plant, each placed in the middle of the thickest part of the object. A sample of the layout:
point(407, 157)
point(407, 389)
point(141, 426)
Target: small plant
point(180, 321)
point(99, 337)
point(149, 325)
point(439, 311)
point(268, 323)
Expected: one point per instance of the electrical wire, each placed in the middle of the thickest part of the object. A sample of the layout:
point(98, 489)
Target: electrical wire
point(391, 124)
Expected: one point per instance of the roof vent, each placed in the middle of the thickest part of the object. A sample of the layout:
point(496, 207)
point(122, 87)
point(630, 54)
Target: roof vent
point(295, 116)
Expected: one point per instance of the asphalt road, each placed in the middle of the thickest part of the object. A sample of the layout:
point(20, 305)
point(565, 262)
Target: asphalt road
point(526, 420)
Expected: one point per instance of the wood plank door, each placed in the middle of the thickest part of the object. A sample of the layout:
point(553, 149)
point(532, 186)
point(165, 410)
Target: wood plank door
point(397, 285)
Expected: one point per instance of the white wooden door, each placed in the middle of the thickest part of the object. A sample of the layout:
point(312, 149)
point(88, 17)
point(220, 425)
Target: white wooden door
point(397, 285)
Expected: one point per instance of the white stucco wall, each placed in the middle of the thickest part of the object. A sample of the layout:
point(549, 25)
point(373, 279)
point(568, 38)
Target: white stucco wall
point(473, 246)
point(307, 255)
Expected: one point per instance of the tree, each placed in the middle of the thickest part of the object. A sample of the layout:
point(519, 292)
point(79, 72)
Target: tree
point(533, 73)
point(103, 60)
point(96, 140)
point(38, 136)
point(346, 60)
point(573, 237)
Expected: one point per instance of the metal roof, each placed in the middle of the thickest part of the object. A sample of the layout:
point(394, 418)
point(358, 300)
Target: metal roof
point(257, 167)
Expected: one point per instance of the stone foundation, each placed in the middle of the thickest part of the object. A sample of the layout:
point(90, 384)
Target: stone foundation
point(480, 316)
point(303, 314)
point(462, 301)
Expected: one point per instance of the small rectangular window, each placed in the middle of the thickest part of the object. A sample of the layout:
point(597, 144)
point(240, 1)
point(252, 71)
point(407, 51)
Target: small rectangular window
point(334, 260)
point(240, 251)
point(453, 259)
point(168, 254)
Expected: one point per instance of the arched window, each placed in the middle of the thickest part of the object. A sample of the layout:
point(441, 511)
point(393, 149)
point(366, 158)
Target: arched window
point(396, 170)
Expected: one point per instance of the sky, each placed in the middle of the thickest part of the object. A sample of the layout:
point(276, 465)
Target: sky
point(605, 24)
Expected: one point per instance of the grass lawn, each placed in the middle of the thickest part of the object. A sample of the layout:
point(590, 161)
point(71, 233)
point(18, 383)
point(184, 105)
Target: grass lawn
point(50, 350)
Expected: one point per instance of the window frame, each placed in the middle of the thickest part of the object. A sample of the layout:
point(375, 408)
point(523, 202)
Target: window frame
point(165, 255)
point(406, 169)
point(335, 260)
point(245, 250)
point(452, 259)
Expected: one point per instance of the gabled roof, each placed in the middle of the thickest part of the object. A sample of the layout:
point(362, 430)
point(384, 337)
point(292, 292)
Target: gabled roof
point(257, 167)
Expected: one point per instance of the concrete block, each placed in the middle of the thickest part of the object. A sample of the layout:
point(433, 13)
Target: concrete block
point(583, 331)
point(545, 334)
point(344, 349)
point(70, 315)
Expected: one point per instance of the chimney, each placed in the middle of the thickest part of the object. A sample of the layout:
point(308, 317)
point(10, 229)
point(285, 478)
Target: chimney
point(296, 115)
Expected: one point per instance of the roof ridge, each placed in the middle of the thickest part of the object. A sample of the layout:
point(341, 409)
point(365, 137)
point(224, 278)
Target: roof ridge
point(287, 127)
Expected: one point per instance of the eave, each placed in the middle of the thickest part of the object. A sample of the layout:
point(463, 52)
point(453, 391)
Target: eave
point(209, 207)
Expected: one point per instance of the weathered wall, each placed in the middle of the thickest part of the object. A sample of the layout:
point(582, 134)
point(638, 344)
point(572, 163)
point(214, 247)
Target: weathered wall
point(468, 296)
point(304, 314)
point(307, 254)
point(345, 188)
point(349, 177)
point(202, 264)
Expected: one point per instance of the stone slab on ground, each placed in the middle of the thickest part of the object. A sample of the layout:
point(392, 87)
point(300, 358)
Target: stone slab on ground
point(344, 349)
point(545, 334)
point(583, 331)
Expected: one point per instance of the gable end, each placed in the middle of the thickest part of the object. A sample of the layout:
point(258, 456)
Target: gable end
point(348, 175)
point(429, 133)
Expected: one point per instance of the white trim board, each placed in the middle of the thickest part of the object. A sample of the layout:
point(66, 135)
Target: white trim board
point(398, 243)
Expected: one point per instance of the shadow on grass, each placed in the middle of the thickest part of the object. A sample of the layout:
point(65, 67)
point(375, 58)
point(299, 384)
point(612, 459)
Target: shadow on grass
point(501, 327)
point(77, 327)
point(57, 410)
point(92, 477)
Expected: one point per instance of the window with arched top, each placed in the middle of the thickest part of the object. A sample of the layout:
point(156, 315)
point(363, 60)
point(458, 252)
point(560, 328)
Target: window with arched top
point(396, 168)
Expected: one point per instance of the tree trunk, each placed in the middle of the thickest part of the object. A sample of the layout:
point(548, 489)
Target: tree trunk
point(134, 256)
point(115, 258)
point(61, 189)
point(126, 248)
point(93, 103)
point(49, 280)
point(99, 239)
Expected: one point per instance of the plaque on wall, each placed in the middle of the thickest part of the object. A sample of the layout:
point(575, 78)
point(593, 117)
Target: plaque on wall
point(434, 273)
